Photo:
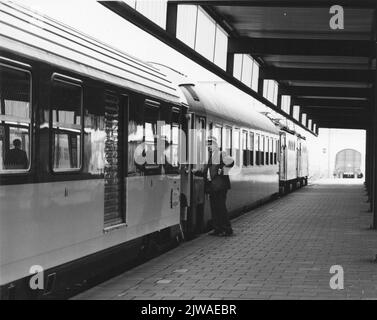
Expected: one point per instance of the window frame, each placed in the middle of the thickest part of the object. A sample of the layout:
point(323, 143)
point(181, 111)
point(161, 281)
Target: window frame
point(75, 82)
point(23, 67)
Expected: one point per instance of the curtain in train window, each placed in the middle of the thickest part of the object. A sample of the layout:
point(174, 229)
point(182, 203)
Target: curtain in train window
point(245, 153)
point(66, 113)
point(15, 119)
point(113, 162)
point(251, 148)
point(228, 141)
point(236, 147)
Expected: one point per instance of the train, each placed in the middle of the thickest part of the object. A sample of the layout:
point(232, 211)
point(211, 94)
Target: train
point(347, 164)
point(81, 208)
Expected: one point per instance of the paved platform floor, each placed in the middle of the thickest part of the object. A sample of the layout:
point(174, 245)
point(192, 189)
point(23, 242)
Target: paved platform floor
point(282, 250)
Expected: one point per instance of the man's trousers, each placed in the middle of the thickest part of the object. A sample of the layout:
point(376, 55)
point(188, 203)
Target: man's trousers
point(220, 219)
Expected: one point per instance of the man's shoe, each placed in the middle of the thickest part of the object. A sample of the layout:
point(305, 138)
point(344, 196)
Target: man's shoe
point(229, 233)
point(214, 233)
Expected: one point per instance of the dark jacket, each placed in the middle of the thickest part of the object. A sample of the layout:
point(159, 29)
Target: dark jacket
point(16, 159)
point(218, 172)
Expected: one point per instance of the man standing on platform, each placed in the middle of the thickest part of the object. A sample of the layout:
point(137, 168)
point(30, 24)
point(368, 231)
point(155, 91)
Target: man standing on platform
point(217, 184)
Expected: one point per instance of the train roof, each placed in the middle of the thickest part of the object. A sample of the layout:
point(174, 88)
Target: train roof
point(37, 36)
point(204, 99)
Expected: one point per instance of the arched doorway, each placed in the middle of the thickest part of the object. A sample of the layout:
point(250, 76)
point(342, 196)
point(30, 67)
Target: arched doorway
point(347, 164)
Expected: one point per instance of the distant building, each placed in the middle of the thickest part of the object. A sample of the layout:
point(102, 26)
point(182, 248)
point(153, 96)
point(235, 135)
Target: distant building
point(339, 152)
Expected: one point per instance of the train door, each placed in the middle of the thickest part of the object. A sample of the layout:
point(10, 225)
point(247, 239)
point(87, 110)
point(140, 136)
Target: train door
point(115, 168)
point(186, 166)
point(298, 160)
point(197, 139)
point(283, 157)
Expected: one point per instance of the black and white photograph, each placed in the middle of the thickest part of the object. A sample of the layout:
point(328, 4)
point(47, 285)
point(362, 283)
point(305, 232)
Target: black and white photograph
point(200, 152)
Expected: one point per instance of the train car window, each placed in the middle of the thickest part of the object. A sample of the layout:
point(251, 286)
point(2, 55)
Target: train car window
point(94, 133)
point(135, 134)
point(200, 142)
point(164, 153)
point(228, 141)
point(251, 148)
point(245, 153)
point(236, 147)
point(151, 116)
point(15, 120)
point(262, 150)
point(67, 128)
point(175, 139)
point(275, 143)
point(257, 146)
point(217, 133)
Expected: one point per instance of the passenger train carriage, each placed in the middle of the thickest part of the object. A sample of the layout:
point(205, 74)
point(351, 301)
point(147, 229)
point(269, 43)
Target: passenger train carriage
point(249, 137)
point(82, 207)
point(293, 166)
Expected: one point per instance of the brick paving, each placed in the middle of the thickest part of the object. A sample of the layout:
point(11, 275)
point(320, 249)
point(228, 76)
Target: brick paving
point(282, 250)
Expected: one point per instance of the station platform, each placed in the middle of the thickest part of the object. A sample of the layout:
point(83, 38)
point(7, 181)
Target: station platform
point(281, 250)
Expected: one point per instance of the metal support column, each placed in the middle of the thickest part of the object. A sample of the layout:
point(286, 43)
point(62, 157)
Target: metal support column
point(171, 19)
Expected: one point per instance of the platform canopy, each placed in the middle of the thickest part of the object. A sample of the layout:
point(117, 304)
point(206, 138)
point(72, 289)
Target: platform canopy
point(322, 56)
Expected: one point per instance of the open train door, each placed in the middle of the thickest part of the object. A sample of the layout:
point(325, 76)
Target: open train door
point(193, 215)
point(283, 163)
point(298, 163)
point(186, 174)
